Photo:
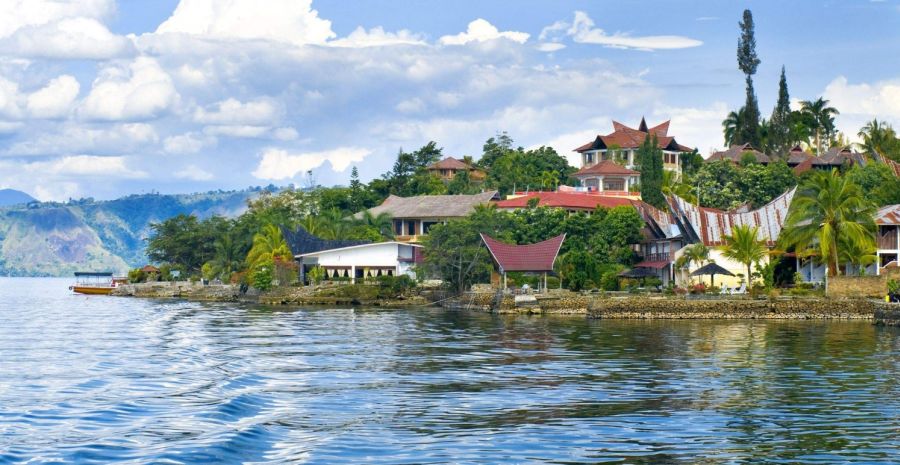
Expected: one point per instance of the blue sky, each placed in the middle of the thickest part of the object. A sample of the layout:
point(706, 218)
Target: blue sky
point(104, 98)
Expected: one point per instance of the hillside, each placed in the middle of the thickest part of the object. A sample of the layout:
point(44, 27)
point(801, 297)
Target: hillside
point(13, 197)
point(56, 239)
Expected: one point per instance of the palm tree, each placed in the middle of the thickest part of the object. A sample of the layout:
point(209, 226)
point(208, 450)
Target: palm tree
point(821, 118)
point(268, 244)
point(672, 186)
point(548, 178)
point(829, 211)
point(730, 126)
point(227, 258)
point(877, 137)
point(382, 222)
point(693, 254)
point(743, 245)
point(859, 255)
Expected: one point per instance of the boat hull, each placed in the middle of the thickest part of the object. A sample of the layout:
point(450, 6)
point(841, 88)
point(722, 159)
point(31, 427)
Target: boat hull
point(91, 290)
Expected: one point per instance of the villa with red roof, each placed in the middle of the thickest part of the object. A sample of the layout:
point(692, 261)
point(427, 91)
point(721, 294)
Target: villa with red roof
point(447, 169)
point(620, 148)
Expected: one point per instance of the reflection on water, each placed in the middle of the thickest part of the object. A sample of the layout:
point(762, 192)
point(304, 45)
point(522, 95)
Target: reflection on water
point(100, 380)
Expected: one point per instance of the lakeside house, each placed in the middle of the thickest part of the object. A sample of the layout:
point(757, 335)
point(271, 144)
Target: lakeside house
point(887, 239)
point(413, 216)
point(363, 261)
point(736, 154)
point(662, 239)
point(621, 146)
point(449, 167)
point(537, 258)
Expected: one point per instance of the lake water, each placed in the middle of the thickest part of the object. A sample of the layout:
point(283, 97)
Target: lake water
point(105, 380)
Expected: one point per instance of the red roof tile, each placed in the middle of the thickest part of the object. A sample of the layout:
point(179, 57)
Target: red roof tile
point(655, 265)
point(607, 167)
point(531, 257)
point(889, 215)
point(630, 138)
point(568, 201)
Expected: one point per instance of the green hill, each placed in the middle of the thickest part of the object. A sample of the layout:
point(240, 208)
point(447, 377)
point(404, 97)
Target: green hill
point(56, 239)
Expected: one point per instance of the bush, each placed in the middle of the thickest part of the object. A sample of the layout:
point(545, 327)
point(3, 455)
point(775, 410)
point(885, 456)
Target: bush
point(698, 289)
point(316, 274)
point(552, 282)
point(394, 286)
point(262, 276)
point(137, 275)
point(610, 281)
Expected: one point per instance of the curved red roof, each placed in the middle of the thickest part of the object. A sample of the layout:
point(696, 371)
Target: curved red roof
point(537, 257)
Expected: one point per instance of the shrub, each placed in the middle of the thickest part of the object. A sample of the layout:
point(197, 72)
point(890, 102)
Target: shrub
point(137, 275)
point(552, 282)
point(316, 274)
point(262, 275)
point(610, 281)
point(698, 288)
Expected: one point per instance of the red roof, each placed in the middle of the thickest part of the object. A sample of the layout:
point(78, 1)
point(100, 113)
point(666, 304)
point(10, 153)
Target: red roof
point(567, 200)
point(531, 257)
point(607, 167)
point(888, 215)
point(630, 138)
point(150, 269)
point(655, 265)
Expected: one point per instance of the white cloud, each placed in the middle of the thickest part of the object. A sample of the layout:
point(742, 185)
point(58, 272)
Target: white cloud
point(289, 21)
point(55, 99)
point(143, 90)
point(278, 164)
point(62, 178)
point(413, 105)
point(285, 134)
point(378, 37)
point(582, 30)
point(550, 47)
point(9, 98)
point(73, 138)
point(87, 165)
point(17, 14)
point(240, 131)
point(194, 173)
point(234, 112)
point(188, 143)
point(880, 99)
point(481, 31)
point(71, 38)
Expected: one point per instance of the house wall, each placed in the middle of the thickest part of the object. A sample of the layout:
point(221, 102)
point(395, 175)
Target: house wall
point(376, 255)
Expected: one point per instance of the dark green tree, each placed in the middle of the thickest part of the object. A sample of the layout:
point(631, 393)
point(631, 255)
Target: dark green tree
point(748, 62)
point(650, 159)
point(185, 241)
point(780, 122)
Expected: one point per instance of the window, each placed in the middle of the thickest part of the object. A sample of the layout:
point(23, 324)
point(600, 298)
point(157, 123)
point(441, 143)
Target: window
point(614, 184)
point(398, 227)
point(588, 158)
point(426, 226)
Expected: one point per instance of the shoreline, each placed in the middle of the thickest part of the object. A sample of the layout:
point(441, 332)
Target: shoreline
point(557, 304)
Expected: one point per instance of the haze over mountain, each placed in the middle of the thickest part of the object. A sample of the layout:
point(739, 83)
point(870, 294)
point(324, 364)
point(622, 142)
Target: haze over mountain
point(57, 239)
point(13, 197)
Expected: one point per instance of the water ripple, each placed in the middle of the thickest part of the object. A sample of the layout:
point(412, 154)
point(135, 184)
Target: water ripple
point(105, 380)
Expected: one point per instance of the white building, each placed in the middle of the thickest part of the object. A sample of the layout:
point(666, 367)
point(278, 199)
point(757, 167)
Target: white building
point(364, 261)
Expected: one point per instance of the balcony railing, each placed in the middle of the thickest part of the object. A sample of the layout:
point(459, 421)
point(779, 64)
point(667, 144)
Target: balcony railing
point(658, 257)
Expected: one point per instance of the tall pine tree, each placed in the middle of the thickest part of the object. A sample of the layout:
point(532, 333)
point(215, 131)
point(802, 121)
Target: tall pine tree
point(780, 123)
point(747, 62)
point(651, 159)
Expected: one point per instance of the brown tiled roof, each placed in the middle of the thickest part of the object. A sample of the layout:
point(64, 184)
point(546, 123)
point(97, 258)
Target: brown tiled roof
point(449, 163)
point(630, 138)
point(431, 206)
point(566, 200)
point(531, 257)
point(606, 167)
point(735, 154)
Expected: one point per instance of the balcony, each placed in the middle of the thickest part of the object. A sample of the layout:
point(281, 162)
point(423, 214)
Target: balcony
point(658, 257)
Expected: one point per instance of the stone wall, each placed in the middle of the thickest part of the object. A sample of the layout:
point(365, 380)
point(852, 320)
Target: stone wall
point(180, 289)
point(887, 314)
point(857, 287)
point(674, 308)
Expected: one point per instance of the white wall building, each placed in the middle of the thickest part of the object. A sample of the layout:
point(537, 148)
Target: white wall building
point(364, 261)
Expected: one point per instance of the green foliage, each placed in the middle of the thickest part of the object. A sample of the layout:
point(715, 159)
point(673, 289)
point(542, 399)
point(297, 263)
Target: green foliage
point(651, 166)
point(137, 275)
point(780, 122)
point(893, 287)
point(185, 240)
point(392, 287)
point(462, 184)
point(691, 162)
point(829, 212)
point(262, 275)
point(744, 246)
point(821, 118)
point(268, 246)
point(748, 130)
point(879, 137)
point(208, 271)
point(878, 182)
point(725, 186)
point(316, 274)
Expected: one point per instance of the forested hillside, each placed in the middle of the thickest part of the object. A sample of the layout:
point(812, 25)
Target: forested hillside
point(56, 239)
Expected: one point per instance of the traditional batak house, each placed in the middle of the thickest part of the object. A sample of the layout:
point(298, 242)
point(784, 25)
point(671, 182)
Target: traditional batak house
point(662, 239)
point(736, 154)
point(622, 145)
point(835, 157)
point(570, 201)
point(710, 226)
point(888, 237)
point(414, 216)
point(448, 168)
point(535, 258)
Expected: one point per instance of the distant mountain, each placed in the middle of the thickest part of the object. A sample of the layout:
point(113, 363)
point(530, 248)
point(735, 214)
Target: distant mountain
point(13, 197)
point(56, 239)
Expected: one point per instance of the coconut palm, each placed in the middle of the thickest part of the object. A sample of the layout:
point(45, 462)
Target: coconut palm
point(672, 186)
point(743, 245)
point(877, 137)
point(730, 126)
point(821, 116)
point(858, 255)
point(382, 222)
point(227, 258)
point(829, 212)
point(549, 179)
point(268, 244)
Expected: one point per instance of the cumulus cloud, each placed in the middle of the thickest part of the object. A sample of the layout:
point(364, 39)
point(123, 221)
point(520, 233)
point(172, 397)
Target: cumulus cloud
point(582, 30)
point(481, 30)
point(378, 37)
point(877, 99)
point(55, 99)
point(74, 138)
point(9, 98)
point(231, 111)
point(278, 164)
point(188, 143)
point(70, 38)
point(61, 178)
point(142, 90)
point(699, 127)
point(18, 14)
point(289, 21)
point(194, 173)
